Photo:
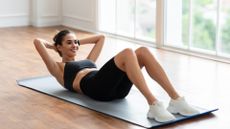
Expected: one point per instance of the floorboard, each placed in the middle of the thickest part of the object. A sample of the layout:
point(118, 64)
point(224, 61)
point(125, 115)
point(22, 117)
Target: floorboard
point(203, 82)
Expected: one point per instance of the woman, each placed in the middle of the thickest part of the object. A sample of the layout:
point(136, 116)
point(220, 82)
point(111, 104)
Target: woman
point(115, 79)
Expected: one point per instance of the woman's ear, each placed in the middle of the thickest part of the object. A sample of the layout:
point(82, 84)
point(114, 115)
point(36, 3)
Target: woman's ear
point(59, 47)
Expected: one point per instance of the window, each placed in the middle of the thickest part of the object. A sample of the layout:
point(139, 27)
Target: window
point(145, 20)
point(174, 24)
point(225, 27)
point(107, 16)
point(129, 18)
point(204, 24)
point(198, 25)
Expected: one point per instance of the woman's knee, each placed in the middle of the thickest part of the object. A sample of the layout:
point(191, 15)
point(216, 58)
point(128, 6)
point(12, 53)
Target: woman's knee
point(126, 53)
point(122, 57)
point(141, 50)
point(142, 54)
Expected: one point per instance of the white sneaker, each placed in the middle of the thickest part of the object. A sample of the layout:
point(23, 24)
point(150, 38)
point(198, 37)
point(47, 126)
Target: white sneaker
point(180, 106)
point(159, 113)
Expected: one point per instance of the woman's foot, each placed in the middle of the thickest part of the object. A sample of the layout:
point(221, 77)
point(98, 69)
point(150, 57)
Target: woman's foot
point(159, 113)
point(181, 107)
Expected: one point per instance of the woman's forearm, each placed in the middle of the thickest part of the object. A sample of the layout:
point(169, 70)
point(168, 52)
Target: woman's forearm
point(95, 52)
point(41, 47)
point(98, 40)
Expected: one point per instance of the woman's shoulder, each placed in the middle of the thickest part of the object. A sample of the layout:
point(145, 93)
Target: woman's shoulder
point(58, 69)
point(59, 72)
point(61, 65)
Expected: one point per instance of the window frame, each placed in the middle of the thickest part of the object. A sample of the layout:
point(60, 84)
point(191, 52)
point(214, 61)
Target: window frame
point(160, 36)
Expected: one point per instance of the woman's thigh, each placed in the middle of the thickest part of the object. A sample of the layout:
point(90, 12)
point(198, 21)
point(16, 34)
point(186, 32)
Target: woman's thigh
point(110, 82)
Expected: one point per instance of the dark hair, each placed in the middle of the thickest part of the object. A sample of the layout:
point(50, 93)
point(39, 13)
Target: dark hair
point(58, 38)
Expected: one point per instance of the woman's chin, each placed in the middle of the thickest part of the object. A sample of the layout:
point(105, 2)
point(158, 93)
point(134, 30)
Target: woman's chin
point(72, 55)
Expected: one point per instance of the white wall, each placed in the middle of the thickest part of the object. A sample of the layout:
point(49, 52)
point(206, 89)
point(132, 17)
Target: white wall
point(80, 14)
point(46, 12)
point(14, 12)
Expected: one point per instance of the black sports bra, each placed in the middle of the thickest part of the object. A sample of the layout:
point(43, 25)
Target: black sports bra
point(72, 68)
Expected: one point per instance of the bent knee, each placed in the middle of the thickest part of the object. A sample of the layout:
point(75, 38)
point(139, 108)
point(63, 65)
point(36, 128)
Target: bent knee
point(127, 52)
point(122, 57)
point(141, 50)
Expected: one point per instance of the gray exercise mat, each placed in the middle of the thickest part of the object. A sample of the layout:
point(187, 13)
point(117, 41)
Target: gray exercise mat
point(132, 109)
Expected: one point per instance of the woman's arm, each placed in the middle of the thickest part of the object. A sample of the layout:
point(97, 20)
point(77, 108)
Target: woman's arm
point(98, 40)
point(42, 46)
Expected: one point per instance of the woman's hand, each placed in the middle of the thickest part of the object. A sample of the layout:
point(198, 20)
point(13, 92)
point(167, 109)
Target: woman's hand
point(50, 46)
point(47, 44)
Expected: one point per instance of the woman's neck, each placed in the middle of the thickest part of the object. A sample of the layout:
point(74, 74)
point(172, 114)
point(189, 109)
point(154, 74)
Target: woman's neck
point(67, 59)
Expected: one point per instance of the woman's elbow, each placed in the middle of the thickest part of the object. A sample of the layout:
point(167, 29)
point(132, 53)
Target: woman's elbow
point(36, 41)
point(102, 37)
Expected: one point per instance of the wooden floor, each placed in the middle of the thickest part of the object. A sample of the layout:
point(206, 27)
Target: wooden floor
point(204, 82)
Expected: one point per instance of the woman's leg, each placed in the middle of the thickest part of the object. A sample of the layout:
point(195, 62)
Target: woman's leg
point(130, 62)
point(127, 61)
point(146, 59)
point(177, 103)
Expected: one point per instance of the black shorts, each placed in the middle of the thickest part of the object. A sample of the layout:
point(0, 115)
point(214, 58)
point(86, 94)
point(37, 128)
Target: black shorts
point(107, 84)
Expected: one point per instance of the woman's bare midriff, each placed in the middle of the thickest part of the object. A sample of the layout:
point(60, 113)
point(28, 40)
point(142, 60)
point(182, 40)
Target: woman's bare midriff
point(79, 76)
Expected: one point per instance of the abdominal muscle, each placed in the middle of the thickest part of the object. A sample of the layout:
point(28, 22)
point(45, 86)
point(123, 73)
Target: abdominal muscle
point(79, 76)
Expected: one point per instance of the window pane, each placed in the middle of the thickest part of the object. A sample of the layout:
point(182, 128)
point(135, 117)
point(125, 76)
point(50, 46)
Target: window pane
point(204, 24)
point(185, 22)
point(125, 17)
point(225, 26)
point(145, 19)
point(129, 18)
point(175, 22)
point(107, 16)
